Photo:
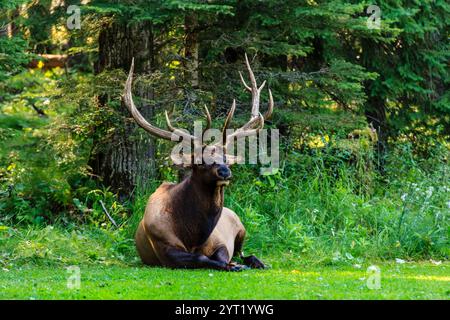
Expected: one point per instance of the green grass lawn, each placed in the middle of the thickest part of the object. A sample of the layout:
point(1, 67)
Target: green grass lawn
point(398, 281)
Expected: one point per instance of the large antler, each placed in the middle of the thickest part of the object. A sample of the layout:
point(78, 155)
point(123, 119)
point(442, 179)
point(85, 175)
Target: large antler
point(160, 133)
point(256, 117)
point(255, 123)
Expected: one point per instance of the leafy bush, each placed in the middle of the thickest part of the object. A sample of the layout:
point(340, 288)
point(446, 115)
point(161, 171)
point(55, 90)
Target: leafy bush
point(309, 210)
point(13, 56)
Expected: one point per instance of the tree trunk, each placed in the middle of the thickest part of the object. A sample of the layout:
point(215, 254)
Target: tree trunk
point(10, 29)
point(375, 107)
point(191, 53)
point(128, 159)
point(40, 33)
point(375, 112)
point(191, 48)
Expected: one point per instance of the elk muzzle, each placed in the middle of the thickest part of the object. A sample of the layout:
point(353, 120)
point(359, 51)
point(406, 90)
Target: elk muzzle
point(224, 175)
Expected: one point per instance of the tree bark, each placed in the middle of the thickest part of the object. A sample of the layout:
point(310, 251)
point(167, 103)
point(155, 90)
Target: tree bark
point(128, 159)
point(191, 54)
point(191, 48)
point(375, 112)
point(375, 107)
point(10, 29)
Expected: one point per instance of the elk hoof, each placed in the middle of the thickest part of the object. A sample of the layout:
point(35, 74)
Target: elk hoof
point(253, 262)
point(236, 267)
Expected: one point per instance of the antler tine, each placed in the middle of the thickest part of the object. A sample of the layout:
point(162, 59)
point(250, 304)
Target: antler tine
point(261, 121)
point(250, 73)
point(178, 132)
point(269, 111)
point(208, 119)
point(254, 119)
point(228, 121)
point(140, 120)
point(262, 86)
point(243, 132)
point(256, 116)
point(229, 116)
point(244, 83)
point(256, 92)
point(169, 124)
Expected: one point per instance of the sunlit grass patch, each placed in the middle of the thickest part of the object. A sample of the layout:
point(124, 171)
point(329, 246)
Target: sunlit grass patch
point(412, 281)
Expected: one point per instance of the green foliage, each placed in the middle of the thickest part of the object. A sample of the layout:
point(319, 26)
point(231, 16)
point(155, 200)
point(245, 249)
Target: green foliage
point(413, 68)
point(312, 209)
point(93, 212)
point(13, 56)
point(40, 165)
point(157, 12)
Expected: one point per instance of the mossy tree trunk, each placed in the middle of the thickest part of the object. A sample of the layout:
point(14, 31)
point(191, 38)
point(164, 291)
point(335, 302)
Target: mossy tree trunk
point(191, 49)
point(191, 61)
point(128, 158)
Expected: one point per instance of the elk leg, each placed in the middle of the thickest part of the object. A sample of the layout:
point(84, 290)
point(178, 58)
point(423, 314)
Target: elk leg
point(221, 254)
point(253, 262)
point(182, 259)
point(250, 261)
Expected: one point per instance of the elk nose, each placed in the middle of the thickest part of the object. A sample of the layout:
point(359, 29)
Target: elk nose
point(224, 172)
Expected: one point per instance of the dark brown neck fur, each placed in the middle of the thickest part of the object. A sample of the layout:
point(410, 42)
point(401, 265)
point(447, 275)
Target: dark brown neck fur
point(195, 207)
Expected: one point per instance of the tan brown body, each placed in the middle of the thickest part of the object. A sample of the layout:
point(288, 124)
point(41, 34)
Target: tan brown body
point(162, 230)
point(151, 231)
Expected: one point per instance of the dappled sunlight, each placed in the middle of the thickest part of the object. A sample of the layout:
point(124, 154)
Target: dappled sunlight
point(422, 277)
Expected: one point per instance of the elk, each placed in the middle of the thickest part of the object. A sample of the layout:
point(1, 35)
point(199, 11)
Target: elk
point(186, 225)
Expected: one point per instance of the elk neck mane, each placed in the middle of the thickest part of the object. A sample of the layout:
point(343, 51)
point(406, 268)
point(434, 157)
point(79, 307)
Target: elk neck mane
point(196, 208)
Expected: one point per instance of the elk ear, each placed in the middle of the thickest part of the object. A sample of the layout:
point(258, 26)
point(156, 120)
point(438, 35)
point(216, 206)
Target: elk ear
point(185, 160)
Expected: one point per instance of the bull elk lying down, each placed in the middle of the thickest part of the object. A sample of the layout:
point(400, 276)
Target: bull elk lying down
point(185, 225)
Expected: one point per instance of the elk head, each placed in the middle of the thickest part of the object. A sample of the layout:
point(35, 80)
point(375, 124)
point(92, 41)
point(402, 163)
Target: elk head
point(217, 173)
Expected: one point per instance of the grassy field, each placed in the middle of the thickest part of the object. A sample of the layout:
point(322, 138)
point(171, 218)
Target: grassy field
point(422, 280)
